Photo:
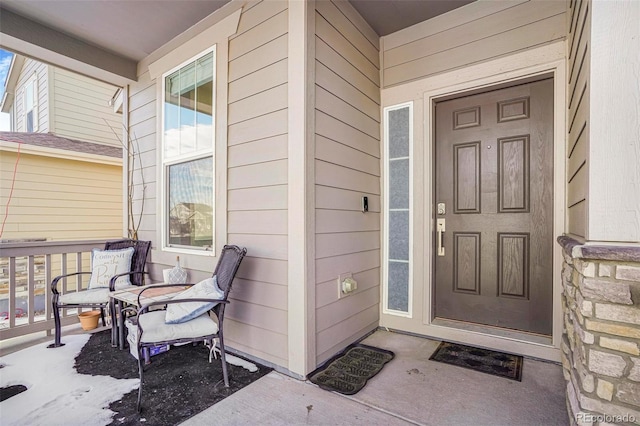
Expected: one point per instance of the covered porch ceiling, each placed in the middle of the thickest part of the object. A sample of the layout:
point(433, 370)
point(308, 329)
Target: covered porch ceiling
point(107, 39)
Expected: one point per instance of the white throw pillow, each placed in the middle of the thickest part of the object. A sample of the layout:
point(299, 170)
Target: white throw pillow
point(107, 263)
point(182, 312)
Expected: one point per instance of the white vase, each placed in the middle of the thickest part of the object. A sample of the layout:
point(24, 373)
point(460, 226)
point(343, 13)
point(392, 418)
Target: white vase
point(177, 275)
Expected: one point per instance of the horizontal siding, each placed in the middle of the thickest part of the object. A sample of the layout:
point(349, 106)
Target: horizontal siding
point(259, 151)
point(347, 167)
point(81, 109)
point(336, 176)
point(264, 126)
point(269, 53)
point(259, 81)
point(268, 101)
point(335, 313)
point(466, 38)
point(272, 347)
point(256, 320)
point(343, 199)
point(337, 244)
point(578, 24)
point(334, 339)
point(52, 198)
point(265, 197)
point(326, 292)
point(255, 175)
point(332, 128)
point(257, 180)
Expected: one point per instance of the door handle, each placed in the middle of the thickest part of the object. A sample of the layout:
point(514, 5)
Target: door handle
point(440, 228)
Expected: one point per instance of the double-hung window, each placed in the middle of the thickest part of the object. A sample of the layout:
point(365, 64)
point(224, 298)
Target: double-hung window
point(188, 142)
point(31, 105)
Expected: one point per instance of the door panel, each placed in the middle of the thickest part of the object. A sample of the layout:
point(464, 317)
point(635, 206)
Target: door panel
point(494, 173)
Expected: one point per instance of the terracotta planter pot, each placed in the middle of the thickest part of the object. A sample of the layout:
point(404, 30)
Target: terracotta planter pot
point(89, 319)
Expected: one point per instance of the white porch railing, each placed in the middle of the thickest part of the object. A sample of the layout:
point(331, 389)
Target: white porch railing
point(26, 271)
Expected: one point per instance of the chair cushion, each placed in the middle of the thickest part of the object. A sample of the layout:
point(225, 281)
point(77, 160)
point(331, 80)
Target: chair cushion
point(182, 312)
point(97, 296)
point(154, 329)
point(107, 263)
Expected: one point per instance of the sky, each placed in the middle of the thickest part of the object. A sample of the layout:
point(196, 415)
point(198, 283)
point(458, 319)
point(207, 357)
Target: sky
point(5, 63)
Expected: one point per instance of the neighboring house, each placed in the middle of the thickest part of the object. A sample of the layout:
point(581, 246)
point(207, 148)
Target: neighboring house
point(68, 181)
point(45, 99)
point(477, 137)
point(62, 189)
point(55, 188)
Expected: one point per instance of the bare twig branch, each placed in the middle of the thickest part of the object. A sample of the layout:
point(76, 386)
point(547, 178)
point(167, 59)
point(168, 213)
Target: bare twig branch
point(132, 148)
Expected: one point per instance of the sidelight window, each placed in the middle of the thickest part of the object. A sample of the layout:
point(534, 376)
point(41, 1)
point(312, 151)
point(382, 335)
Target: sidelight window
point(398, 141)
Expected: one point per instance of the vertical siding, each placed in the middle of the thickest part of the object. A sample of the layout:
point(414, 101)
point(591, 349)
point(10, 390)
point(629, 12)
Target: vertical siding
point(578, 51)
point(257, 180)
point(29, 68)
point(347, 164)
point(474, 33)
point(256, 320)
point(81, 108)
point(53, 199)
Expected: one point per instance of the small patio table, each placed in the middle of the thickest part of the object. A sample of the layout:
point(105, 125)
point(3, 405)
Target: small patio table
point(121, 298)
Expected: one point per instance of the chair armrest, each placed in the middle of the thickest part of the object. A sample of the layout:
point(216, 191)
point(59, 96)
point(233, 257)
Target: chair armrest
point(54, 283)
point(112, 281)
point(144, 309)
point(160, 286)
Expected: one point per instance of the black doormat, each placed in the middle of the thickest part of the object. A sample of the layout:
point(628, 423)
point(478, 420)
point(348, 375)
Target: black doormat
point(178, 384)
point(349, 371)
point(483, 360)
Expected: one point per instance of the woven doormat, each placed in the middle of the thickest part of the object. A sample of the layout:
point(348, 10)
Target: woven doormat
point(483, 360)
point(349, 371)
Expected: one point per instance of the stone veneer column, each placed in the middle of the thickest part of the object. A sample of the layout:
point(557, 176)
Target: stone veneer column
point(601, 336)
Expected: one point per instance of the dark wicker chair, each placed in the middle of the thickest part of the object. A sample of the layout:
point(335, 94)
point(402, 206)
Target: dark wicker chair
point(99, 298)
point(200, 329)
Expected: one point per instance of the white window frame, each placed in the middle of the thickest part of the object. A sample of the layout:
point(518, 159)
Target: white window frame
point(165, 163)
point(213, 30)
point(33, 80)
point(385, 265)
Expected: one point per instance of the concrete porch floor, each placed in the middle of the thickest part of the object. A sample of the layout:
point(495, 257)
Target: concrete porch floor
point(409, 390)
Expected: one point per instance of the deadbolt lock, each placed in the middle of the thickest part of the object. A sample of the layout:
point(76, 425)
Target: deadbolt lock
point(441, 208)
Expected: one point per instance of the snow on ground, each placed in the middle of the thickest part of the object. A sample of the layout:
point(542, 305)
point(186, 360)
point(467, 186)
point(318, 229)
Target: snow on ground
point(241, 363)
point(56, 394)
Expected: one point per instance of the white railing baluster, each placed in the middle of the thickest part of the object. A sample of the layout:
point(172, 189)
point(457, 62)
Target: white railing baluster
point(11, 309)
point(31, 287)
point(48, 299)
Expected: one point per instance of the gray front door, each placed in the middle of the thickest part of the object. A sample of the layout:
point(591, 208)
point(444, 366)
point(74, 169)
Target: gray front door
point(494, 193)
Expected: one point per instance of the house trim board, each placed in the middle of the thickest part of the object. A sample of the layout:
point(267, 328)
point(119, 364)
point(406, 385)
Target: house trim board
point(58, 153)
point(301, 188)
point(126, 146)
point(544, 60)
point(51, 109)
point(62, 50)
